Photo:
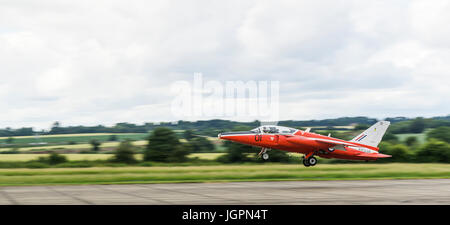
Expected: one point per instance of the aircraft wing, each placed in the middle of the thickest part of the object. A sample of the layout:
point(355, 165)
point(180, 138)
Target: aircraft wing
point(333, 142)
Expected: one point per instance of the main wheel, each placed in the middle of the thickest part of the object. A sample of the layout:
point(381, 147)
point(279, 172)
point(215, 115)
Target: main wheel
point(265, 156)
point(312, 161)
point(305, 163)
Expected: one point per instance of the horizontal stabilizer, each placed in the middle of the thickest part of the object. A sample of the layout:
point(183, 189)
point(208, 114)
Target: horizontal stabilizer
point(374, 155)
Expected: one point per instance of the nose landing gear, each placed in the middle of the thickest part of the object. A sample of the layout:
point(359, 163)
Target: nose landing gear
point(264, 153)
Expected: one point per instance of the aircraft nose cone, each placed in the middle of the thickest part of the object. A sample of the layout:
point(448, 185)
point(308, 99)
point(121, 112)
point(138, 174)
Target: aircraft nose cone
point(238, 136)
point(225, 136)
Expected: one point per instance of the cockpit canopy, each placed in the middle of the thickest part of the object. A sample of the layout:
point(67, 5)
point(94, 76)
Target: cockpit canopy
point(271, 129)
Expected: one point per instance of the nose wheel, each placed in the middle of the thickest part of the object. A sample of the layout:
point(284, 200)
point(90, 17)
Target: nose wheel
point(264, 153)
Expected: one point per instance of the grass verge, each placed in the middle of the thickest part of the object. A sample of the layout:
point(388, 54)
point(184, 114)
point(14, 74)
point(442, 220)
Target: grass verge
point(220, 173)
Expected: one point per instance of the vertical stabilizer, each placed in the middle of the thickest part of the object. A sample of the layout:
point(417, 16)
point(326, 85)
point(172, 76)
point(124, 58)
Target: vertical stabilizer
point(373, 135)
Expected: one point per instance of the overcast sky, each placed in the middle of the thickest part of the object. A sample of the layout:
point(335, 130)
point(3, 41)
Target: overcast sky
point(102, 62)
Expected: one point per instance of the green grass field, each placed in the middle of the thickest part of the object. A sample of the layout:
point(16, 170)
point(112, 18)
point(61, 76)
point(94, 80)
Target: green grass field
point(206, 156)
point(222, 173)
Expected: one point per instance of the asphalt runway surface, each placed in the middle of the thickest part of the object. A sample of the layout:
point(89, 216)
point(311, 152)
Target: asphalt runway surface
point(426, 191)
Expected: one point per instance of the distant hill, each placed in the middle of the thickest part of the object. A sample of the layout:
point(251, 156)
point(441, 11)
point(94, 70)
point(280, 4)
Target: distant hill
point(343, 121)
point(400, 125)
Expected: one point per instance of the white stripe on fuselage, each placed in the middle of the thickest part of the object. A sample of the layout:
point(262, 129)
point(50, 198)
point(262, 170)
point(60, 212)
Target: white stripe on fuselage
point(228, 135)
point(365, 150)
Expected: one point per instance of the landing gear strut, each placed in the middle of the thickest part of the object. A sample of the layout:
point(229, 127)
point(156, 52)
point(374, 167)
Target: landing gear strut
point(309, 160)
point(264, 154)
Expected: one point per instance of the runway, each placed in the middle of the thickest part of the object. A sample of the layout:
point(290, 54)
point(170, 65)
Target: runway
point(432, 191)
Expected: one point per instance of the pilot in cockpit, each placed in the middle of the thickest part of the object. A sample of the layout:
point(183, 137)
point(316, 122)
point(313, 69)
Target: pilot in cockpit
point(274, 130)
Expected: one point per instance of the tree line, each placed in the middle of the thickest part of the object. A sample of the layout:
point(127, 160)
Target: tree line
point(212, 127)
point(164, 146)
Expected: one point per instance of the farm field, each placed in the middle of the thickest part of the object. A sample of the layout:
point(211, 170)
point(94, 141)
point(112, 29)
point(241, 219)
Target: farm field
point(59, 139)
point(70, 157)
point(89, 157)
point(66, 135)
point(220, 173)
point(206, 156)
point(75, 146)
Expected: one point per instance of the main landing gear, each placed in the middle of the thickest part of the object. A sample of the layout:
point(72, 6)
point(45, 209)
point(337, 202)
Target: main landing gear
point(264, 153)
point(309, 160)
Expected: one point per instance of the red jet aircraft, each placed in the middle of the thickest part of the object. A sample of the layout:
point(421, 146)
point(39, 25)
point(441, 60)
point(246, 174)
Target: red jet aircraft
point(362, 147)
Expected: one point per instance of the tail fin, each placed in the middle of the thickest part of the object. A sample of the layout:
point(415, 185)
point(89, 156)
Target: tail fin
point(373, 135)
